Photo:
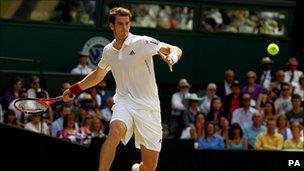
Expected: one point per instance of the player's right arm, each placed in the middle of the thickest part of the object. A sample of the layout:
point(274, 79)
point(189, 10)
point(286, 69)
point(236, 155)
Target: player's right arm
point(90, 80)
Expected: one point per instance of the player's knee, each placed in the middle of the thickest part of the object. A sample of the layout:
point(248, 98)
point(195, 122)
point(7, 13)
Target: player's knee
point(116, 132)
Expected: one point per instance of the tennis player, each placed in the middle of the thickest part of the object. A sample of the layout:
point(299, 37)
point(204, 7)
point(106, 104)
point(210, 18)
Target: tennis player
point(137, 106)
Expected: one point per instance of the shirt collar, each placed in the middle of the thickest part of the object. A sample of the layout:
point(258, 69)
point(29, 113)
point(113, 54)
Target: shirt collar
point(128, 39)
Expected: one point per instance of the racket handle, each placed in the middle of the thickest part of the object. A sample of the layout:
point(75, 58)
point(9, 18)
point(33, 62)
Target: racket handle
point(59, 98)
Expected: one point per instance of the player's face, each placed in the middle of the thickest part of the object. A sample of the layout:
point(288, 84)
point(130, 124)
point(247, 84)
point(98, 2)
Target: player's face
point(121, 27)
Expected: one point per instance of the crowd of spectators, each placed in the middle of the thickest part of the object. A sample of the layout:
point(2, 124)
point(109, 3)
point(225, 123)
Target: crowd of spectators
point(162, 16)
point(264, 112)
point(243, 21)
point(75, 121)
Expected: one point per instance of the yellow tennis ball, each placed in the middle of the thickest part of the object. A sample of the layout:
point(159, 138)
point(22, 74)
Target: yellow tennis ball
point(273, 49)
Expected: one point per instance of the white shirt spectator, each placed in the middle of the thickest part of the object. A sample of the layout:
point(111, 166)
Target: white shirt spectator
point(282, 105)
point(266, 79)
point(177, 102)
point(81, 70)
point(205, 105)
point(32, 93)
point(242, 117)
point(31, 127)
point(294, 80)
point(300, 91)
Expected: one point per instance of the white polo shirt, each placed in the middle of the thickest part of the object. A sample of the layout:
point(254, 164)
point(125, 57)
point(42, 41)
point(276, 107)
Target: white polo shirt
point(133, 70)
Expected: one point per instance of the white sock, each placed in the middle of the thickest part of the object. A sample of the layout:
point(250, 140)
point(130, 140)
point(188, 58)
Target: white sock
point(135, 167)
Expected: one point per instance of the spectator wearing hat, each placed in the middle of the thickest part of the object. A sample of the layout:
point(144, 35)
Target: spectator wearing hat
point(83, 67)
point(293, 75)
point(300, 88)
point(211, 93)
point(189, 114)
point(234, 100)
point(266, 74)
point(178, 107)
point(192, 110)
point(251, 88)
point(224, 87)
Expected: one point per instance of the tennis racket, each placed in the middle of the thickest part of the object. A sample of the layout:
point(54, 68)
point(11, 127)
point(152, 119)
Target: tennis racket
point(35, 105)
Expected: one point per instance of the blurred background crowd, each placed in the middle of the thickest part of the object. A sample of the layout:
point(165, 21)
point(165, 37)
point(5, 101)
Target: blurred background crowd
point(263, 112)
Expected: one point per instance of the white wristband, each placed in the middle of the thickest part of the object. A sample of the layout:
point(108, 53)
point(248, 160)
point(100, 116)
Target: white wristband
point(174, 57)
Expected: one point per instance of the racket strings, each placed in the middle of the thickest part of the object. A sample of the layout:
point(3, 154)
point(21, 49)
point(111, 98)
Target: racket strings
point(30, 106)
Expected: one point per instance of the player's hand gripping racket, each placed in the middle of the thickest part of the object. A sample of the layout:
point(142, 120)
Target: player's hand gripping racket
point(166, 59)
point(35, 105)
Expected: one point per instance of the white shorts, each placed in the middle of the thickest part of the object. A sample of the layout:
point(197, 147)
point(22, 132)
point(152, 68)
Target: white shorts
point(146, 126)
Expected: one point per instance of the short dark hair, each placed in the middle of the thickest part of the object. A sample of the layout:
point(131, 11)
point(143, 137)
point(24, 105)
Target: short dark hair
point(118, 11)
point(284, 84)
point(296, 96)
point(206, 127)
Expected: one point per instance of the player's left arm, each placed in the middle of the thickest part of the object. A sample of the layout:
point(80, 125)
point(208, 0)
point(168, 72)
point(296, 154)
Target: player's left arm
point(169, 53)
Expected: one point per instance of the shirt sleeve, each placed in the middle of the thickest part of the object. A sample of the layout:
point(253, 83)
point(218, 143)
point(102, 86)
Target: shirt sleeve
point(104, 61)
point(151, 45)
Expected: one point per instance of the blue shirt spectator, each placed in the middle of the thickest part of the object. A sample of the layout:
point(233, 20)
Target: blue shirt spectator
point(252, 132)
point(216, 142)
point(211, 140)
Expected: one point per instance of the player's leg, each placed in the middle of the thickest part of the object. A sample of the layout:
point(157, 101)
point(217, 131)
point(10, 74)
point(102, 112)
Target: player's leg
point(148, 137)
point(149, 160)
point(117, 132)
